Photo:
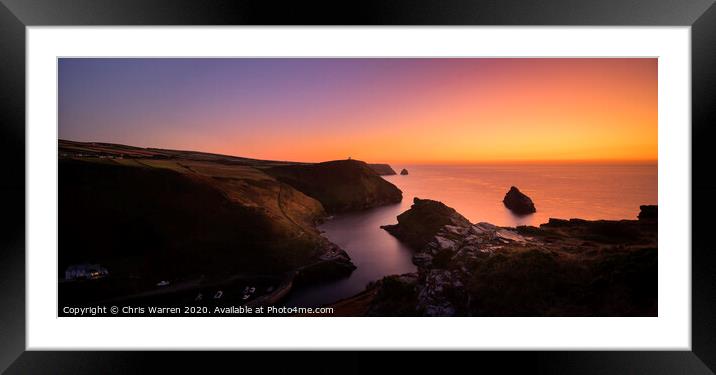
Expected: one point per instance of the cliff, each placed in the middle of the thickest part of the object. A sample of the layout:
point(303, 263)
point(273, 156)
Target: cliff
point(340, 186)
point(197, 220)
point(382, 169)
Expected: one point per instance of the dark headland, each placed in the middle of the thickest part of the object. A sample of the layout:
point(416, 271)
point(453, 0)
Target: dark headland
point(340, 186)
point(383, 169)
point(178, 226)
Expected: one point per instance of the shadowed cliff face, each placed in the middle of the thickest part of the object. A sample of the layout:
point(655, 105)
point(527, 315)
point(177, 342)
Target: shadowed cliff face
point(382, 169)
point(158, 222)
point(341, 185)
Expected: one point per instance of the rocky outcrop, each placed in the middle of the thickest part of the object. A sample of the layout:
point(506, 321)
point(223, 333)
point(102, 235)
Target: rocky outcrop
point(563, 268)
point(518, 203)
point(333, 264)
point(382, 169)
point(341, 185)
point(393, 295)
point(421, 223)
point(404, 172)
point(435, 231)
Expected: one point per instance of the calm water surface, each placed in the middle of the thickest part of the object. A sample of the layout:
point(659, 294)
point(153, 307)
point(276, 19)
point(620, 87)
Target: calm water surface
point(586, 191)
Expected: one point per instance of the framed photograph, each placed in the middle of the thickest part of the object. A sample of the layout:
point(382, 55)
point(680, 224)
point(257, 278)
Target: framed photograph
point(529, 184)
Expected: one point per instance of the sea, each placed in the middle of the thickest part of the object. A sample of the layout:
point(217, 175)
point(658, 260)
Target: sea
point(571, 190)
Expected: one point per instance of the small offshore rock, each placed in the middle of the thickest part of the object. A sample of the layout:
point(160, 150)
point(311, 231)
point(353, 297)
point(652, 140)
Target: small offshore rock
point(518, 202)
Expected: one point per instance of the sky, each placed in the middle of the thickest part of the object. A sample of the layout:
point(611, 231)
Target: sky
point(410, 110)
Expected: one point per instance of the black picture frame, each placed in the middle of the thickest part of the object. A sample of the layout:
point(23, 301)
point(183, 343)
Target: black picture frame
point(16, 15)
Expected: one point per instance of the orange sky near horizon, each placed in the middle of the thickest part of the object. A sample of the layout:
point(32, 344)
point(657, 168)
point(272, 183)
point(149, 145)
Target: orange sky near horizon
point(430, 111)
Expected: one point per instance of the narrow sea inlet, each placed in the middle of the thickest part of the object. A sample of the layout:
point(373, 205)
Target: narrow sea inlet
point(374, 252)
point(586, 190)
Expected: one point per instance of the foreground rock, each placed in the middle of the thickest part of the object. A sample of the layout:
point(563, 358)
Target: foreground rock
point(518, 203)
point(334, 263)
point(404, 172)
point(562, 268)
point(341, 185)
point(382, 169)
point(390, 296)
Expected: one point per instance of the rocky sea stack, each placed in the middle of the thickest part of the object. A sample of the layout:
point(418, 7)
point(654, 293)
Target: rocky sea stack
point(404, 172)
point(518, 203)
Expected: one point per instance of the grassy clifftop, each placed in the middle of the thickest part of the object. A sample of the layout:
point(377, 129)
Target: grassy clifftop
point(383, 169)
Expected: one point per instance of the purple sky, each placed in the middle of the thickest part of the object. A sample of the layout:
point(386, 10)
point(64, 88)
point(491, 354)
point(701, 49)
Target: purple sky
point(378, 109)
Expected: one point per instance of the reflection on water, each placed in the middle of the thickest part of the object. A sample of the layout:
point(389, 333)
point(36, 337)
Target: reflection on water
point(374, 252)
point(586, 191)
